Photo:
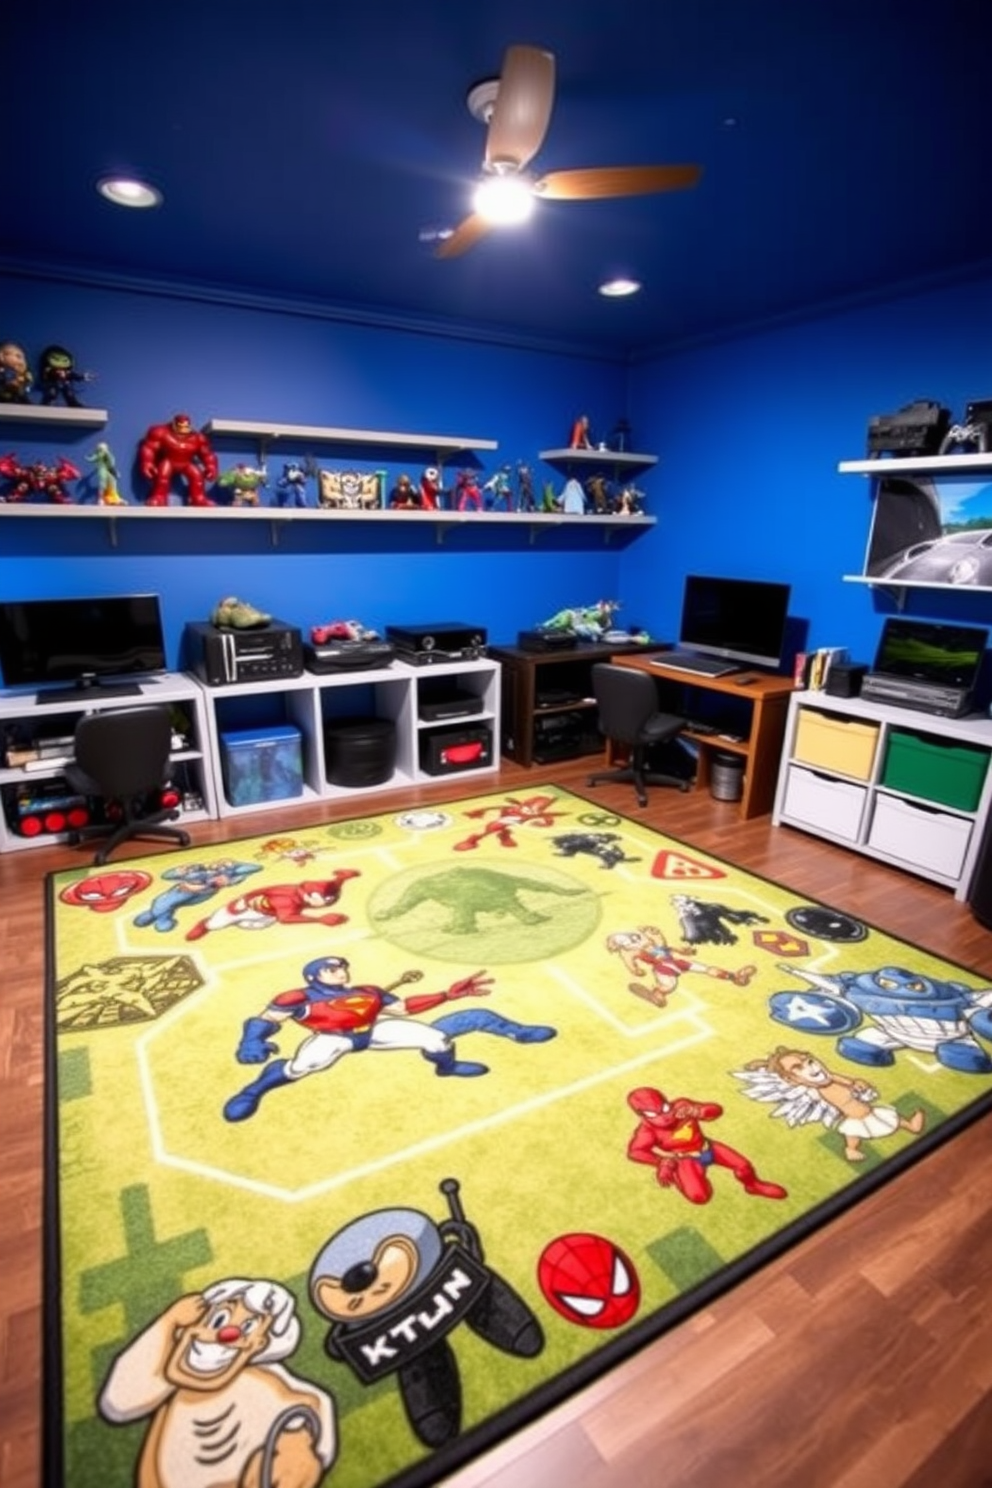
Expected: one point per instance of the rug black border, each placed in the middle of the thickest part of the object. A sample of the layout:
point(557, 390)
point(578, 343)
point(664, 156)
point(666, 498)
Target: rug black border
point(496, 1429)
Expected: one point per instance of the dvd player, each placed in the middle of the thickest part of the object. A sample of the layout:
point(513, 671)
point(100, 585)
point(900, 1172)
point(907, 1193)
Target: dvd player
point(924, 697)
point(450, 640)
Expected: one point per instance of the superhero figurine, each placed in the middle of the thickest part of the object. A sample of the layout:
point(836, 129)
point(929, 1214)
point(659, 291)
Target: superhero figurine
point(468, 492)
point(57, 377)
point(395, 1285)
point(177, 449)
point(15, 374)
point(39, 479)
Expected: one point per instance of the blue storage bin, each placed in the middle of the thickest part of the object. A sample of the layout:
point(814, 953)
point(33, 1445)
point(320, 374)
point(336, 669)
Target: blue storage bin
point(263, 764)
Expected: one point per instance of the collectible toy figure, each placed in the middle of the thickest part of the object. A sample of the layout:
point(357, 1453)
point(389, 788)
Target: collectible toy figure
point(244, 482)
point(107, 476)
point(580, 438)
point(57, 377)
point(499, 490)
point(403, 497)
point(350, 490)
point(525, 487)
point(15, 374)
point(291, 487)
point(589, 622)
point(38, 479)
point(430, 488)
point(468, 495)
point(177, 449)
point(237, 614)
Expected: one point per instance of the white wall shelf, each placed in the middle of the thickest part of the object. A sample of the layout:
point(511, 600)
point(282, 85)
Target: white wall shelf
point(40, 413)
point(596, 459)
point(438, 445)
point(945, 465)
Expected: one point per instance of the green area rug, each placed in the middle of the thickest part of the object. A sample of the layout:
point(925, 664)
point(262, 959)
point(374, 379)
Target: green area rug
point(370, 1142)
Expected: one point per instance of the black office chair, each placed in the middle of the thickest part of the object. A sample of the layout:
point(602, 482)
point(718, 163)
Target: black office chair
point(122, 756)
point(629, 715)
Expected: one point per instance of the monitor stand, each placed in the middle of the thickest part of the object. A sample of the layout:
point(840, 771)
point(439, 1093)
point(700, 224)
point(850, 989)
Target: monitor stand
point(88, 692)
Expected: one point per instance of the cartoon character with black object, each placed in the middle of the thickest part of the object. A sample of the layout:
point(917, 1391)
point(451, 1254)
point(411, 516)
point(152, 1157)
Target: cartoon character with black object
point(58, 378)
point(394, 1285)
point(223, 1410)
point(342, 1018)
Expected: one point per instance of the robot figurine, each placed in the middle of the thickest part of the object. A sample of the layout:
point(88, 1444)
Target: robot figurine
point(173, 450)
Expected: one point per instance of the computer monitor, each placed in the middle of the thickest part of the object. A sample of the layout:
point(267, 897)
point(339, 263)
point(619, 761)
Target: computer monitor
point(931, 651)
point(735, 619)
point(89, 643)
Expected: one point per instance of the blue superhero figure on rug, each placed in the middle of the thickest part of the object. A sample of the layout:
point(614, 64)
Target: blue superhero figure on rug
point(192, 884)
point(879, 1012)
point(342, 1018)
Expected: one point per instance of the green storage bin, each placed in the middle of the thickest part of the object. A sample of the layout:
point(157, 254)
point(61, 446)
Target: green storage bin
point(921, 765)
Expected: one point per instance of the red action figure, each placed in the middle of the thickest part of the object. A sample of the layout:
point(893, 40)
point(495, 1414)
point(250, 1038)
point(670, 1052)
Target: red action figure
point(39, 479)
point(177, 449)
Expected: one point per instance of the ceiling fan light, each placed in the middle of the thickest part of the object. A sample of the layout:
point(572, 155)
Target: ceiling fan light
point(504, 200)
point(616, 289)
point(125, 191)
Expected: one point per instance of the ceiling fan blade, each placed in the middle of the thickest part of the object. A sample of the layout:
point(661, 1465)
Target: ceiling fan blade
point(617, 180)
point(465, 236)
point(522, 110)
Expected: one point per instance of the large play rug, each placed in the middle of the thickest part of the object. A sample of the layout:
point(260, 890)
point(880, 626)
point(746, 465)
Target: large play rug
point(372, 1141)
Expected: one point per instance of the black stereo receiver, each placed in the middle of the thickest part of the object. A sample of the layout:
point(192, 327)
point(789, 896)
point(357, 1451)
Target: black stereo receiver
point(221, 655)
point(436, 641)
point(924, 697)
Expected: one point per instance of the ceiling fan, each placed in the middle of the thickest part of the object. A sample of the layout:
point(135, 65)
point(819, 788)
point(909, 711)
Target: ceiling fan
point(516, 109)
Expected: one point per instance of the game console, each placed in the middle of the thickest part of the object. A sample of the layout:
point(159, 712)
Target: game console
point(438, 641)
point(348, 656)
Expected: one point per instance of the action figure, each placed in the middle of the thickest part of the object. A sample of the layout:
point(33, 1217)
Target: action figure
point(15, 374)
point(430, 488)
point(525, 487)
point(580, 433)
point(38, 479)
point(500, 490)
point(291, 487)
point(177, 449)
point(107, 476)
point(403, 497)
point(57, 376)
point(467, 492)
point(244, 482)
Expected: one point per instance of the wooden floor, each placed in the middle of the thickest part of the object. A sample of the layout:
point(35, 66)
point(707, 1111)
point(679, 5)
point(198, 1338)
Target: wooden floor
point(862, 1359)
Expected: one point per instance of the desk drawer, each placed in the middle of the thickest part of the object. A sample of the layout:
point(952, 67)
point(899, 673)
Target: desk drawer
point(828, 805)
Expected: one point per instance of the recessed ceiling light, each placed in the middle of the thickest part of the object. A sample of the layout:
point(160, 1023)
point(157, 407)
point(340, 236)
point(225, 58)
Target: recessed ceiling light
point(126, 192)
point(617, 288)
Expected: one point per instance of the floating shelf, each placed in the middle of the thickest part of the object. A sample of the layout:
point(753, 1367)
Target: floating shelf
point(39, 413)
point(918, 465)
point(374, 438)
point(619, 459)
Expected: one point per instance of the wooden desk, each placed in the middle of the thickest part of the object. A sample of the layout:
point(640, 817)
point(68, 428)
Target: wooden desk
point(766, 699)
point(529, 677)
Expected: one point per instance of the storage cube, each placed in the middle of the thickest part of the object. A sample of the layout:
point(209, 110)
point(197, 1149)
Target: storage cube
point(264, 764)
point(834, 806)
point(447, 751)
point(923, 765)
point(836, 743)
point(922, 838)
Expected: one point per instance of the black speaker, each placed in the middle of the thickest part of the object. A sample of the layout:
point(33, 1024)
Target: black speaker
point(359, 752)
point(844, 679)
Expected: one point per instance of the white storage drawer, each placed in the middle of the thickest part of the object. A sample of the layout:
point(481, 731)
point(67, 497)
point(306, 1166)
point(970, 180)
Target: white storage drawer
point(825, 804)
point(922, 838)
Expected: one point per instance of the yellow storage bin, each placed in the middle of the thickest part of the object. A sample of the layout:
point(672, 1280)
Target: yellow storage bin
point(833, 742)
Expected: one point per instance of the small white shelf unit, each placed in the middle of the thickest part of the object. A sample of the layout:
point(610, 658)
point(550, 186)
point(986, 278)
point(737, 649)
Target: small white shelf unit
point(41, 413)
point(49, 720)
point(310, 701)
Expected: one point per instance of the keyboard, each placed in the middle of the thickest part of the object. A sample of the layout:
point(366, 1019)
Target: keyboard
point(691, 661)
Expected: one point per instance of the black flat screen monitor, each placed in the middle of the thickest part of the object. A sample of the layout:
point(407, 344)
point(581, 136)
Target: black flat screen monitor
point(929, 651)
point(735, 619)
point(88, 643)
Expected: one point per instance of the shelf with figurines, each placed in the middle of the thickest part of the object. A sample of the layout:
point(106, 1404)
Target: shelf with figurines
point(56, 384)
point(183, 476)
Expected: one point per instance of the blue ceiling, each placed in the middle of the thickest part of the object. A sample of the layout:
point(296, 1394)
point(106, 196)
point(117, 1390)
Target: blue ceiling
point(311, 150)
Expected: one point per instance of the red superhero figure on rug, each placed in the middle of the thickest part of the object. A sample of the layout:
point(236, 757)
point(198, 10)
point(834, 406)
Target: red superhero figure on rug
point(174, 450)
point(671, 1140)
point(281, 904)
point(533, 812)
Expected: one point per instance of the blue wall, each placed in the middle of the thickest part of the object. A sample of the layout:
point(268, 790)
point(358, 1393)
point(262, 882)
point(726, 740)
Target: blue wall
point(749, 432)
